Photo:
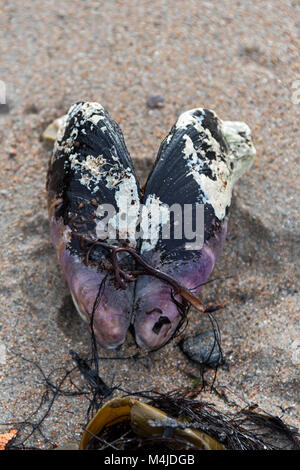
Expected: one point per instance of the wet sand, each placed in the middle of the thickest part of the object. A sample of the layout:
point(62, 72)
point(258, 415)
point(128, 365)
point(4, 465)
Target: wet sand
point(239, 59)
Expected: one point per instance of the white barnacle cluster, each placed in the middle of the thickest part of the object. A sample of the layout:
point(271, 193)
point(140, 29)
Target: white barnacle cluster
point(124, 218)
point(88, 168)
point(92, 169)
point(85, 112)
point(169, 138)
point(238, 137)
point(192, 117)
point(95, 170)
point(226, 167)
point(88, 110)
point(80, 113)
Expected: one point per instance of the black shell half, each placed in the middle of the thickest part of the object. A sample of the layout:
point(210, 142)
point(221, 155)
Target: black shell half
point(89, 163)
point(172, 180)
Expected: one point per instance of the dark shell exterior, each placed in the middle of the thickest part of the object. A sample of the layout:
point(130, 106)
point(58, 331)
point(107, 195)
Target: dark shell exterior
point(89, 164)
point(197, 163)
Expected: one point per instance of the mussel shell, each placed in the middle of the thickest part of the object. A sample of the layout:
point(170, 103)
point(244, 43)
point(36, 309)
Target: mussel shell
point(90, 167)
point(191, 168)
point(197, 164)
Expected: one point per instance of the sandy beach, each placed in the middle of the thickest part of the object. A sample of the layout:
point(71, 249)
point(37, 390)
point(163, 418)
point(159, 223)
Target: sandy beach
point(240, 59)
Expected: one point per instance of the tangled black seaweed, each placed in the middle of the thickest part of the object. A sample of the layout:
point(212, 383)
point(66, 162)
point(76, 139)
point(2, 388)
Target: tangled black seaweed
point(247, 428)
point(95, 389)
point(123, 277)
point(80, 229)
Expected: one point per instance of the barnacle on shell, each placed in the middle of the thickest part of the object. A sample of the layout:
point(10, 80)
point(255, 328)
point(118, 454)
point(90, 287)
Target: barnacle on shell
point(122, 280)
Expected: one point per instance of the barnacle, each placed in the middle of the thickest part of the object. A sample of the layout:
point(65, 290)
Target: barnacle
point(147, 281)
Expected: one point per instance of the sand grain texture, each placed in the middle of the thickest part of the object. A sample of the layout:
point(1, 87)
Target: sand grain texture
point(237, 58)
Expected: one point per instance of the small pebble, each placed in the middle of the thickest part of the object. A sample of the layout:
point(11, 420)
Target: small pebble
point(156, 101)
point(12, 153)
point(31, 109)
point(203, 349)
